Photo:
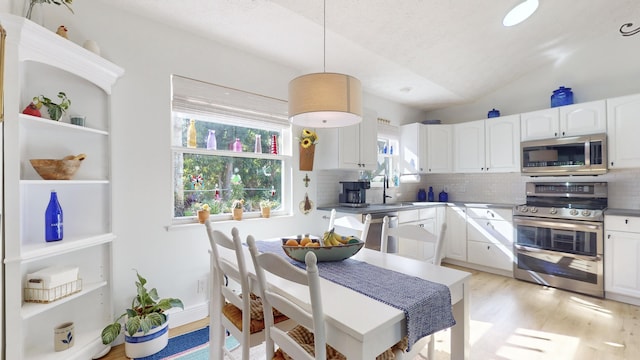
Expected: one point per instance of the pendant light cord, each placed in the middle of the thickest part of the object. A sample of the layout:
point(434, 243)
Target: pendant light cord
point(324, 45)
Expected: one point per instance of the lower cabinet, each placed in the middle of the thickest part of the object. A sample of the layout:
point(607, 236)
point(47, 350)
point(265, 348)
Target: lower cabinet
point(490, 237)
point(431, 219)
point(622, 258)
point(456, 235)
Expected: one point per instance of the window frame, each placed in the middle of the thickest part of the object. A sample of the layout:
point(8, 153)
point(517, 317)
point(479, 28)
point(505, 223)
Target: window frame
point(272, 117)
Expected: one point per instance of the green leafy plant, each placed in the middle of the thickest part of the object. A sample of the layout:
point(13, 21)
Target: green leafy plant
point(66, 3)
point(55, 110)
point(269, 204)
point(146, 312)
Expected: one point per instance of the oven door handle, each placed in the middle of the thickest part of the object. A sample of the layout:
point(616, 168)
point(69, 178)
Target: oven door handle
point(527, 249)
point(557, 223)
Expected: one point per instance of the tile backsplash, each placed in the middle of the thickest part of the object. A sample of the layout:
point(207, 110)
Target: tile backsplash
point(496, 188)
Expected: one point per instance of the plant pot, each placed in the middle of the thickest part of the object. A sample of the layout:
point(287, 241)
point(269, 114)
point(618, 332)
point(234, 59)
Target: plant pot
point(203, 215)
point(306, 157)
point(141, 345)
point(266, 212)
point(237, 214)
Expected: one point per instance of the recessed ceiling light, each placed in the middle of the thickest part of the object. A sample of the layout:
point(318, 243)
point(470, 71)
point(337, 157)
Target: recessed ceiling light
point(520, 13)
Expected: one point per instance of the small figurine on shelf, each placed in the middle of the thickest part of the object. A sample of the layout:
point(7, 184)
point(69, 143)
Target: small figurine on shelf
point(62, 31)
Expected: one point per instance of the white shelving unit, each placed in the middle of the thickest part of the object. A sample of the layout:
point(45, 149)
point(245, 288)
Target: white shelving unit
point(37, 61)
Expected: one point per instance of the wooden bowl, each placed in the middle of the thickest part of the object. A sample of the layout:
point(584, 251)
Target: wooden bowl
point(62, 169)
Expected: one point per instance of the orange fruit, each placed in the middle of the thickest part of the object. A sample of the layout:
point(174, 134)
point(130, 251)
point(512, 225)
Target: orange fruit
point(305, 241)
point(292, 242)
point(313, 244)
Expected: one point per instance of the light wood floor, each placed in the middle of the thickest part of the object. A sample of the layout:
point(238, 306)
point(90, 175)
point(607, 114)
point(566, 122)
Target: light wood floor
point(516, 320)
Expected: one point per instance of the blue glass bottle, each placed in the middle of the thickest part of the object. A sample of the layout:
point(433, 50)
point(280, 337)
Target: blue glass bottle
point(430, 194)
point(53, 219)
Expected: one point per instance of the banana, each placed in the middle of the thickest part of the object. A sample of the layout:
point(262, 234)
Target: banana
point(342, 239)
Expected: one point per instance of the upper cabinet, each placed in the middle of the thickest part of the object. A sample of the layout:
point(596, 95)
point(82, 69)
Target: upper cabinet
point(491, 145)
point(39, 62)
point(468, 142)
point(352, 147)
point(577, 119)
point(426, 148)
point(502, 144)
point(623, 129)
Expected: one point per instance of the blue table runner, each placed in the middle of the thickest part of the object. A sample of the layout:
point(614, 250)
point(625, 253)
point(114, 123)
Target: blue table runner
point(426, 305)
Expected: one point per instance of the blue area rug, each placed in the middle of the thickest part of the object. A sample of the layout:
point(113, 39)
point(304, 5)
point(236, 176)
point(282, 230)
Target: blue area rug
point(190, 346)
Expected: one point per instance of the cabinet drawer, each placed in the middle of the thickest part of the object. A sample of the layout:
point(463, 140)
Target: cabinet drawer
point(428, 213)
point(491, 214)
point(491, 255)
point(408, 216)
point(622, 223)
point(490, 231)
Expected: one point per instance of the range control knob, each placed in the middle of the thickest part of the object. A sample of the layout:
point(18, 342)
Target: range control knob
point(553, 211)
point(586, 212)
point(534, 210)
point(573, 212)
point(524, 208)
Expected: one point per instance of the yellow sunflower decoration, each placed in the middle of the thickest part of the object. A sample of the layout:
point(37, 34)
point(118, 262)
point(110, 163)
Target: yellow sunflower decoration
point(309, 137)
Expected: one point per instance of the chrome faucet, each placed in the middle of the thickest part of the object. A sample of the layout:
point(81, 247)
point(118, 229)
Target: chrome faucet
point(385, 186)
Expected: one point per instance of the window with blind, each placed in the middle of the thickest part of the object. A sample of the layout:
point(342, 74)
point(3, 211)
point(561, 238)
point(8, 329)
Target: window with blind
point(228, 145)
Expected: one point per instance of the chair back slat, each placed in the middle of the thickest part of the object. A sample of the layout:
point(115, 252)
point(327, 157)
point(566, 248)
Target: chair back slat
point(416, 233)
point(350, 225)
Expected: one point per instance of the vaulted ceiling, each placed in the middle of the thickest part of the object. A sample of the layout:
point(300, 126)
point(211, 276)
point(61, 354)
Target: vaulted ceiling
point(423, 53)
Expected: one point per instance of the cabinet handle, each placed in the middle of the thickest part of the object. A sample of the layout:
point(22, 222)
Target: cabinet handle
point(608, 236)
point(612, 163)
point(555, 134)
point(488, 247)
point(626, 221)
point(325, 217)
point(563, 133)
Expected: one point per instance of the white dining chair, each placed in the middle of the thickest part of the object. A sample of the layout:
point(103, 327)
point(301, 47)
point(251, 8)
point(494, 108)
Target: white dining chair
point(351, 225)
point(307, 340)
point(227, 305)
point(417, 233)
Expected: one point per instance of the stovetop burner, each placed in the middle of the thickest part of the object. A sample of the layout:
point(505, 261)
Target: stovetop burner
point(575, 201)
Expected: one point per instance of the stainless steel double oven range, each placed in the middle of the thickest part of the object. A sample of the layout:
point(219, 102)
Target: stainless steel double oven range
point(559, 236)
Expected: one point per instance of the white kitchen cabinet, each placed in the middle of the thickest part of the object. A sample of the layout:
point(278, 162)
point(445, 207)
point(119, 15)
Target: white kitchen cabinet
point(622, 258)
point(456, 235)
point(469, 147)
point(502, 144)
point(426, 148)
point(570, 120)
point(490, 237)
point(350, 147)
point(439, 149)
point(37, 61)
point(623, 128)
point(430, 218)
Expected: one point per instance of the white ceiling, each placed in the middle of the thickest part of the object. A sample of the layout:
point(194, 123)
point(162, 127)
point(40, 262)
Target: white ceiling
point(423, 53)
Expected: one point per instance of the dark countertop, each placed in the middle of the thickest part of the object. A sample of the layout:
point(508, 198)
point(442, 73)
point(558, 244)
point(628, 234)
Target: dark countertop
point(622, 212)
point(405, 206)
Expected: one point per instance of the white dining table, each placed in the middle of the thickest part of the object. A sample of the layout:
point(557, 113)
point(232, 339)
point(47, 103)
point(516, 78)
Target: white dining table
point(361, 327)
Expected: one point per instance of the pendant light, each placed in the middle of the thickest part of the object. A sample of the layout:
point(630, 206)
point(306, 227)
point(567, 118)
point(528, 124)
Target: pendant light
point(324, 100)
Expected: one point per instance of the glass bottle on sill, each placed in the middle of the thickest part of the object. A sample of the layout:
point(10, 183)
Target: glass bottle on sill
point(191, 134)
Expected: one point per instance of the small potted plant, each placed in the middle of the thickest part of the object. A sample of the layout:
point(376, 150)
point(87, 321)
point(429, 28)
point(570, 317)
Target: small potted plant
point(266, 206)
point(55, 110)
point(237, 209)
point(203, 213)
point(146, 315)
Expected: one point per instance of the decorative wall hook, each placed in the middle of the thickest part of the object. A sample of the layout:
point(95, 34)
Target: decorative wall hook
point(628, 32)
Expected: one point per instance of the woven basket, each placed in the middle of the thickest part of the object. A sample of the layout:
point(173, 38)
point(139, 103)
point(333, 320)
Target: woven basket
point(306, 157)
point(63, 169)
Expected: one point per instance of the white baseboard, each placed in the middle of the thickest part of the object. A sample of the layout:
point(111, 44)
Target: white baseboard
point(188, 315)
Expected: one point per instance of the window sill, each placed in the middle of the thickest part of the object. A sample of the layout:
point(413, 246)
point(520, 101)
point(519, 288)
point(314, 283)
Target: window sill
point(191, 223)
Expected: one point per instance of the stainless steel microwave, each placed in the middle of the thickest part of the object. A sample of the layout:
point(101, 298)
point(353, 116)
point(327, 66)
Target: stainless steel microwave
point(573, 155)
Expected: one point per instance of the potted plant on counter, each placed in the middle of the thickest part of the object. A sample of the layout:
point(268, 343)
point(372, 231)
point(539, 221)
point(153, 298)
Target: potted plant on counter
point(146, 316)
point(266, 206)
